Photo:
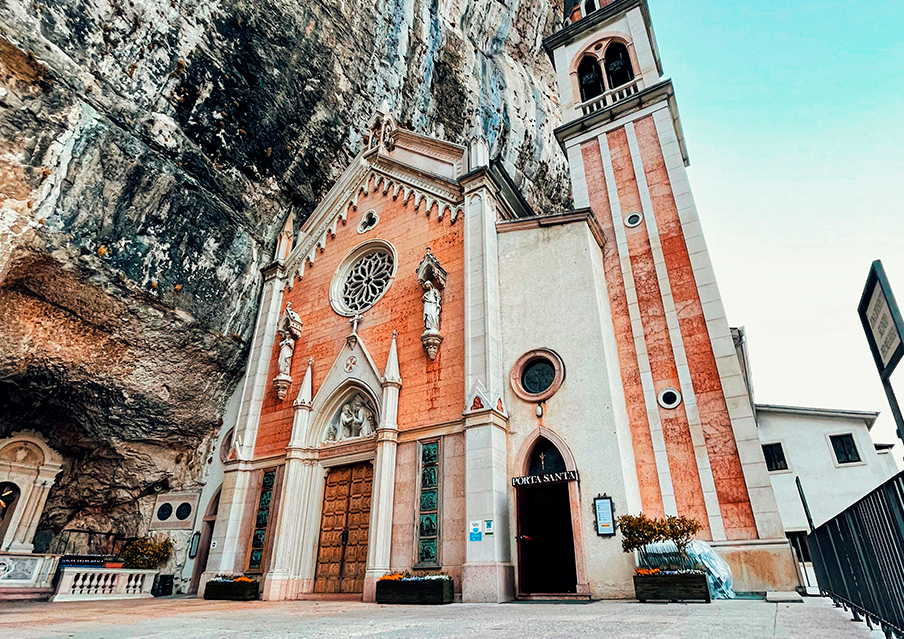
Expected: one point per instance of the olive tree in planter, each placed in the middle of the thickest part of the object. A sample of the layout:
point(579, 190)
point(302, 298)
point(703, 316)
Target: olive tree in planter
point(680, 580)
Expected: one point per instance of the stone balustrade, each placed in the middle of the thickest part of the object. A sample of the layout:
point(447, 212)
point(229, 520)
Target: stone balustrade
point(82, 584)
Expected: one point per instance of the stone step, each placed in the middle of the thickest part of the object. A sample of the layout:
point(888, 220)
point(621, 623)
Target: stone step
point(25, 594)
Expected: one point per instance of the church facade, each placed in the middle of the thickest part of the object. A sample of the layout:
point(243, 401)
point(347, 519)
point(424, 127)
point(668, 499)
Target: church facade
point(442, 379)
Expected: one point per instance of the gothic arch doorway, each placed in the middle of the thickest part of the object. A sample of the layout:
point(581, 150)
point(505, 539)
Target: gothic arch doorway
point(546, 540)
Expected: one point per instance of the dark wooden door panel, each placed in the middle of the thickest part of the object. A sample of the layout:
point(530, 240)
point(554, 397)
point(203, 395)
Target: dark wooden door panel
point(342, 555)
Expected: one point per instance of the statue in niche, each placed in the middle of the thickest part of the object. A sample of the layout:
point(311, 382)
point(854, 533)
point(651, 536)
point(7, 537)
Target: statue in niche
point(289, 329)
point(355, 419)
point(432, 278)
point(432, 307)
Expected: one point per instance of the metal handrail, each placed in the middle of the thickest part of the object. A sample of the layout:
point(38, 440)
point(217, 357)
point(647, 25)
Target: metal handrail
point(858, 558)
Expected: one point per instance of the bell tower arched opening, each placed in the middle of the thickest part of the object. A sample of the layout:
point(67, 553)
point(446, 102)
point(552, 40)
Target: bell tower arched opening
point(618, 65)
point(590, 78)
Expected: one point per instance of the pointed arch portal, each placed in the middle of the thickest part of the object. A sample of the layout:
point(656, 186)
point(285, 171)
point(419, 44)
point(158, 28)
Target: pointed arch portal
point(546, 537)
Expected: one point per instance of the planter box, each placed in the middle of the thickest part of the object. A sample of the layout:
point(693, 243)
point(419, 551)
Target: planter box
point(232, 590)
point(671, 588)
point(429, 591)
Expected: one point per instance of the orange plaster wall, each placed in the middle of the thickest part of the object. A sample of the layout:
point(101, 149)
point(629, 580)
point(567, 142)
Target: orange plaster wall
point(679, 447)
point(723, 453)
point(432, 392)
point(647, 475)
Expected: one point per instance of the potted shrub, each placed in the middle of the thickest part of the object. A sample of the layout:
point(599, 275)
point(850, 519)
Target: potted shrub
point(679, 579)
point(402, 588)
point(232, 587)
point(147, 552)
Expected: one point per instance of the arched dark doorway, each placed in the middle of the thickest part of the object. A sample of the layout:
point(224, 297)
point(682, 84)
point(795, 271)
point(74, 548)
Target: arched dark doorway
point(546, 559)
point(618, 65)
point(206, 532)
point(590, 79)
point(9, 493)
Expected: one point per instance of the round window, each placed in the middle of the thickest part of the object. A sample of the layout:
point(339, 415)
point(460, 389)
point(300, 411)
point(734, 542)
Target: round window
point(363, 278)
point(183, 511)
point(164, 512)
point(669, 398)
point(537, 375)
point(633, 219)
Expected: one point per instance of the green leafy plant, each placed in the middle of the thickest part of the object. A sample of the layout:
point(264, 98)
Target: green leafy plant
point(147, 552)
point(638, 531)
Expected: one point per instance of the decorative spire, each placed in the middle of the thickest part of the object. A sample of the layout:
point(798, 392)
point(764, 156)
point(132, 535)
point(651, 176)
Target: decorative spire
point(304, 393)
point(391, 375)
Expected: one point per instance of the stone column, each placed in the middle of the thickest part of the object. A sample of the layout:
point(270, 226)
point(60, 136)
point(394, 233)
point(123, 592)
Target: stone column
point(227, 546)
point(487, 574)
point(279, 582)
point(379, 546)
point(28, 525)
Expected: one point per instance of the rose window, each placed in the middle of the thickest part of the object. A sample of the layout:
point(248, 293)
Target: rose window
point(367, 280)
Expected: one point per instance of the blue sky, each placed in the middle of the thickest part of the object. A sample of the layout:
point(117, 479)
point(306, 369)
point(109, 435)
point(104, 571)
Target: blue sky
point(794, 118)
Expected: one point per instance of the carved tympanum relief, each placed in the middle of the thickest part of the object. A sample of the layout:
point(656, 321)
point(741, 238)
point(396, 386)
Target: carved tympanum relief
point(289, 329)
point(357, 418)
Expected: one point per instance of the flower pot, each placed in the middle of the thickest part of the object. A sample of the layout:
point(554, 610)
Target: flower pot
point(659, 587)
point(427, 591)
point(232, 590)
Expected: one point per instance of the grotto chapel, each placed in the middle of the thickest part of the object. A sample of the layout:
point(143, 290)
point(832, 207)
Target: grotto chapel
point(319, 310)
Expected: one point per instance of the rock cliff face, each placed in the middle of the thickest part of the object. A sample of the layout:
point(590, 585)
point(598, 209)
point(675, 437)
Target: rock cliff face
point(151, 153)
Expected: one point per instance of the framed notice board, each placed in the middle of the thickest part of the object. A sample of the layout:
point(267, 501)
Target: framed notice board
point(605, 517)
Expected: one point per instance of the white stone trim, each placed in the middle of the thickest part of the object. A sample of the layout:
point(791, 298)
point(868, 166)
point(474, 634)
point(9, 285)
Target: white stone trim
point(643, 361)
point(701, 454)
point(737, 399)
point(578, 178)
point(615, 124)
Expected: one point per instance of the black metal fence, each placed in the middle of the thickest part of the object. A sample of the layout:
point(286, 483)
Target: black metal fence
point(858, 558)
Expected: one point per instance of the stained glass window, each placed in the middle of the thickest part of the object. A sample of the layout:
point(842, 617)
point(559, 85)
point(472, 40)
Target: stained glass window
point(428, 522)
point(259, 536)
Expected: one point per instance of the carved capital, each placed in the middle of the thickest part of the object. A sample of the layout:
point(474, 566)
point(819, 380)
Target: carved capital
point(431, 341)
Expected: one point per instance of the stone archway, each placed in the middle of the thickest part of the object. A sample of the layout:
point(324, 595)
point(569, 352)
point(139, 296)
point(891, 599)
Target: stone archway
point(31, 466)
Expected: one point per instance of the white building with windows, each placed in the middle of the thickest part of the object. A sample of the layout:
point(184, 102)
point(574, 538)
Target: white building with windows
point(832, 453)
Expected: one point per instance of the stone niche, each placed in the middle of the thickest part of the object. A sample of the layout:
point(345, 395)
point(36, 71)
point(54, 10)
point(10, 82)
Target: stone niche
point(28, 469)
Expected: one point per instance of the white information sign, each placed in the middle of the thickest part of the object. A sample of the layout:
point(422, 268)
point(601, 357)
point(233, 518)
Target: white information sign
point(882, 326)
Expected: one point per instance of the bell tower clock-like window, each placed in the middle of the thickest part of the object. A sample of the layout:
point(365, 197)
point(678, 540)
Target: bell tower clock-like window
point(590, 78)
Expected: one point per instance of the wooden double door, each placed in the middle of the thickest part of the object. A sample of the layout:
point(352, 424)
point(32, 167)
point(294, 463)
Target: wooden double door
point(344, 526)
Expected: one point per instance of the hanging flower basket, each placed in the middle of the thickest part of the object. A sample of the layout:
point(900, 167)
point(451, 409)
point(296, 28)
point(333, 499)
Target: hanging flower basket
point(232, 588)
point(405, 589)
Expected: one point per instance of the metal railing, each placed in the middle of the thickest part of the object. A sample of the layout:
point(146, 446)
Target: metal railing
point(858, 557)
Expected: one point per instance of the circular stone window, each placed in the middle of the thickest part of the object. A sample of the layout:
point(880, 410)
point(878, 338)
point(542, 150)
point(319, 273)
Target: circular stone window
point(633, 219)
point(183, 511)
point(363, 278)
point(537, 375)
point(669, 398)
point(164, 512)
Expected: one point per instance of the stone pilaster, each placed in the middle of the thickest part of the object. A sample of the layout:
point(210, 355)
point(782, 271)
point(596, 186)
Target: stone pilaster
point(226, 546)
point(487, 574)
point(281, 582)
point(380, 536)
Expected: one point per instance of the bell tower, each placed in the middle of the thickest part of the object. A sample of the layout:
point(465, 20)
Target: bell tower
point(690, 416)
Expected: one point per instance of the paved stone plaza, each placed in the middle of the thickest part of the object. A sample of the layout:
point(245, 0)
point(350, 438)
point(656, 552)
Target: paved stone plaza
point(814, 619)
